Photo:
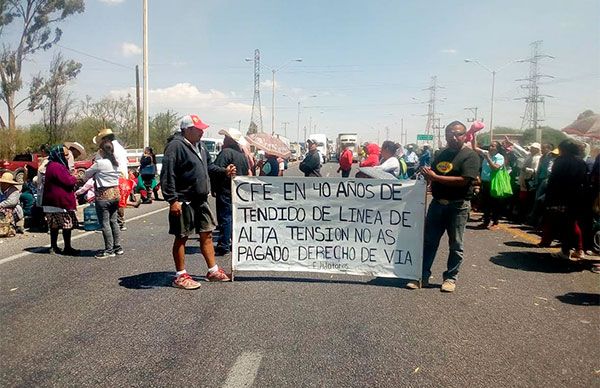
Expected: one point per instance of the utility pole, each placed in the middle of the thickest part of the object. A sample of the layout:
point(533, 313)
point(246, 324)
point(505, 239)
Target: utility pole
point(298, 134)
point(387, 133)
point(474, 111)
point(403, 136)
point(285, 124)
point(273, 105)
point(146, 102)
point(138, 109)
point(239, 125)
point(532, 116)
point(256, 122)
point(305, 136)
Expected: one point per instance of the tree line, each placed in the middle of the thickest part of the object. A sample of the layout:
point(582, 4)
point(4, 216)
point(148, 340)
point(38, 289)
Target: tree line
point(84, 121)
point(33, 26)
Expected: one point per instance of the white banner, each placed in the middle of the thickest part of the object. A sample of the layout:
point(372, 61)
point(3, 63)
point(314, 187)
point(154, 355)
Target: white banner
point(333, 225)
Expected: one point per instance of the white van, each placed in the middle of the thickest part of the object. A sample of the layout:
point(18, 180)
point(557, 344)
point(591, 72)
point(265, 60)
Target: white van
point(213, 146)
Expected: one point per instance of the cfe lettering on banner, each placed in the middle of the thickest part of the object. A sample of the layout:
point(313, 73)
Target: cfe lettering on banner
point(331, 225)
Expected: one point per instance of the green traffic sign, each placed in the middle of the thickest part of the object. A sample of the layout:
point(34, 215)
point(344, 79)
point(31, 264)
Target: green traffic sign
point(424, 137)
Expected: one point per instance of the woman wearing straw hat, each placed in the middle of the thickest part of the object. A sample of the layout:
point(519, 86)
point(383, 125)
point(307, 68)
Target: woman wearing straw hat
point(9, 203)
point(59, 200)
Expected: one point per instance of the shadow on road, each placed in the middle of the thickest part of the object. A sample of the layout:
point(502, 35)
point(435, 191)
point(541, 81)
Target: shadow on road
point(192, 250)
point(537, 262)
point(580, 298)
point(520, 244)
point(147, 281)
point(380, 282)
point(83, 253)
point(474, 227)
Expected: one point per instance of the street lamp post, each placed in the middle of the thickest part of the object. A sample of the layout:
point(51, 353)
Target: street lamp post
point(298, 123)
point(298, 129)
point(274, 70)
point(493, 87)
point(273, 105)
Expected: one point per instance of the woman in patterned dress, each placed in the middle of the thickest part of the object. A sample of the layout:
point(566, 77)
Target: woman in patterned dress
point(59, 200)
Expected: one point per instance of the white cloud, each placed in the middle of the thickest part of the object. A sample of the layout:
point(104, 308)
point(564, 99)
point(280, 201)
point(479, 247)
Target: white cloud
point(130, 49)
point(449, 51)
point(186, 98)
point(268, 84)
point(112, 2)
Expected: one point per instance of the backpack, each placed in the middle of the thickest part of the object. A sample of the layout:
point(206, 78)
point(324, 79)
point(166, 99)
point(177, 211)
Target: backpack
point(403, 174)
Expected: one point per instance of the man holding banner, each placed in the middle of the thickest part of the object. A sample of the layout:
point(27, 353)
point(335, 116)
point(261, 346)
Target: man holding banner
point(451, 175)
point(185, 185)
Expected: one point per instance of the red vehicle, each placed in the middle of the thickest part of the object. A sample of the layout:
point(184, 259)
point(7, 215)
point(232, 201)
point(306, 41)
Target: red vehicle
point(18, 165)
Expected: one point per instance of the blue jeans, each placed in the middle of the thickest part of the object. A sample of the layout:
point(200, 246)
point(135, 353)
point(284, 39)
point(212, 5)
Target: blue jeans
point(224, 218)
point(107, 217)
point(452, 219)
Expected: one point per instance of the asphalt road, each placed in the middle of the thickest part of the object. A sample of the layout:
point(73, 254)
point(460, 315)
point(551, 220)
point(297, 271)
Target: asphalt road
point(518, 318)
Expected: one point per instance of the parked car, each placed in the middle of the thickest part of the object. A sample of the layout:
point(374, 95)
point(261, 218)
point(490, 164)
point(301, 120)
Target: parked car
point(18, 165)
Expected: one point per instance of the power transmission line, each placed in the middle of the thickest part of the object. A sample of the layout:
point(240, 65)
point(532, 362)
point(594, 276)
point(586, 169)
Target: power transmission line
point(256, 123)
point(473, 110)
point(95, 57)
point(433, 121)
point(532, 116)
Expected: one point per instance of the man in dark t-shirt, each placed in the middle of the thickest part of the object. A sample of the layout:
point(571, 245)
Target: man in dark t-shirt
point(451, 175)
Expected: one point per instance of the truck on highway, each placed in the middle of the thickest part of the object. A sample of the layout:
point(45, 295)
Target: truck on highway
point(348, 140)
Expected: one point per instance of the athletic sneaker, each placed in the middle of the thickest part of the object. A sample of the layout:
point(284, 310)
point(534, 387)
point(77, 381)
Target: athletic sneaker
point(119, 251)
point(104, 255)
point(186, 282)
point(448, 286)
point(217, 276)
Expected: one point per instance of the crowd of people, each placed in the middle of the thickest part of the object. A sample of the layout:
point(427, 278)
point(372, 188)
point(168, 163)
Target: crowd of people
point(554, 189)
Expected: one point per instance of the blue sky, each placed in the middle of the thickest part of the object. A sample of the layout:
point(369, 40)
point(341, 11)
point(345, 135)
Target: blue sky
point(366, 61)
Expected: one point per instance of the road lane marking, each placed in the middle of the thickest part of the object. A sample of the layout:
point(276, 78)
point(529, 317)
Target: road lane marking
point(519, 233)
point(244, 371)
point(527, 237)
point(82, 235)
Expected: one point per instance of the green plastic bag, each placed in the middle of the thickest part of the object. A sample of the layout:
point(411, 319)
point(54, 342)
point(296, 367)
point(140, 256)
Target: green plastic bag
point(500, 185)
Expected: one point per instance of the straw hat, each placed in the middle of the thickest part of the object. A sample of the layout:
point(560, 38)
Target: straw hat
point(76, 146)
point(8, 177)
point(102, 134)
point(233, 133)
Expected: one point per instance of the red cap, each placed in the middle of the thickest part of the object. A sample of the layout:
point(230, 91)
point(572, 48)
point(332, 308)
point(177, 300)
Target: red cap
point(192, 121)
